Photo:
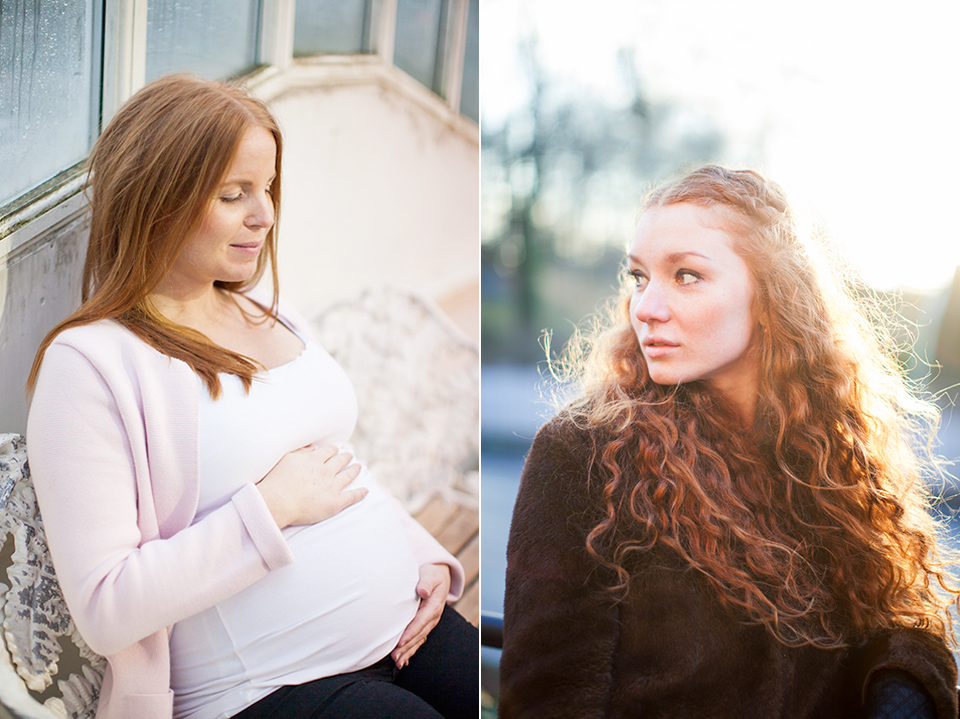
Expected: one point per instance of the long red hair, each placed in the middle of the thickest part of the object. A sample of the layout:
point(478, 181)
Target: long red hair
point(814, 521)
point(153, 173)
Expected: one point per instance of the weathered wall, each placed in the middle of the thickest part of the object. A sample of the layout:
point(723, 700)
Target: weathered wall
point(39, 286)
point(376, 192)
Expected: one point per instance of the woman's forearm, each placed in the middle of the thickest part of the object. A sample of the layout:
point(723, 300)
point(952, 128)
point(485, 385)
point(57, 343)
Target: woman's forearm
point(120, 584)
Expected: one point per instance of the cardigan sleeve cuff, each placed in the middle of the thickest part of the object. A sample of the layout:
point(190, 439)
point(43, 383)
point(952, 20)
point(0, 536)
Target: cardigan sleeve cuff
point(261, 527)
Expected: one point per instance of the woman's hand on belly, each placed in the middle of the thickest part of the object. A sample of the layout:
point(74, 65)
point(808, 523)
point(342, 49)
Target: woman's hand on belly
point(433, 587)
point(309, 484)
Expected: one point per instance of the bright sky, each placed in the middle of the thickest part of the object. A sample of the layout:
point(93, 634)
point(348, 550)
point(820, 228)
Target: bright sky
point(858, 101)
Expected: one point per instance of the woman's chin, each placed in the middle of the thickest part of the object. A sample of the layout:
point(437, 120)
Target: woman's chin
point(239, 274)
point(661, 375)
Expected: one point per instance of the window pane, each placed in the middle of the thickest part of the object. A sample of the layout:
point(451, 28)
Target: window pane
point(213, 38)
point(470, 89)
point(330, 26)
point(46, 107)
point(418, 36)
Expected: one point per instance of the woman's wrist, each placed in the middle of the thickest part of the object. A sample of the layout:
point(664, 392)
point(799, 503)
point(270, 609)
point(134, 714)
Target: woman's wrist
point(275, 504)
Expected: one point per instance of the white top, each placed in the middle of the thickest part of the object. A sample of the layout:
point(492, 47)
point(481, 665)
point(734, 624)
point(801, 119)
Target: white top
point(344, 601)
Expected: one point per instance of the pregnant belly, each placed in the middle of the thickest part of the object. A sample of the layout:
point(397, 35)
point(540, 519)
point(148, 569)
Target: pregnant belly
point(340, 606)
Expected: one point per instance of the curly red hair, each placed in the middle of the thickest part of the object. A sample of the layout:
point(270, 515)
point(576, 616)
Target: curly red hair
point(814, 523)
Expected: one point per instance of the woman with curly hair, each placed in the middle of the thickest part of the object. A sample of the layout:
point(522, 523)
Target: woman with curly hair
point(729, 521)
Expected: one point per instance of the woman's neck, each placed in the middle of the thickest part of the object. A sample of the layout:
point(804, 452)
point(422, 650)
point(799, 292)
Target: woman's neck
point(743, 397)
point(199, 309)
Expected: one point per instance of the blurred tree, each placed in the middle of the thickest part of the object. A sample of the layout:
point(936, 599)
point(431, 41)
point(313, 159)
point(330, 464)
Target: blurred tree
point(561, 178)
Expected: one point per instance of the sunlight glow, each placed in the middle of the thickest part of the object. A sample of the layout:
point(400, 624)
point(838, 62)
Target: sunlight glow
point(850, 106)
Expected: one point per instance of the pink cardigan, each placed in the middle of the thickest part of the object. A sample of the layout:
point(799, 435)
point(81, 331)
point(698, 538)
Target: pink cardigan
point(112, 441)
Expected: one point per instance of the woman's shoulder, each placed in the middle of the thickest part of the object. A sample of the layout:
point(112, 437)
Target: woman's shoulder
point(560, 457)
point(111, 350)
point(562, 424)
point(569, 437)
point(103, 339)
point(553, 436)
point(93, 333)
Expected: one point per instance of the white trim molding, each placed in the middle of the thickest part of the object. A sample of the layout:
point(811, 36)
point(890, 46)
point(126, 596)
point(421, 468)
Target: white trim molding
point(49, 209)
point(385, 28)
point(451, 80)
point(124, 53)
point(276, 32)
point(339, 70)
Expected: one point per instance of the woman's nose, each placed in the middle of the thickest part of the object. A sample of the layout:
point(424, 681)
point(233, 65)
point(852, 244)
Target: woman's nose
point(652, 304)
point(261, 213)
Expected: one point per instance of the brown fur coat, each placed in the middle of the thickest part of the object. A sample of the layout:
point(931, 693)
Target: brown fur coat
point(670, 649)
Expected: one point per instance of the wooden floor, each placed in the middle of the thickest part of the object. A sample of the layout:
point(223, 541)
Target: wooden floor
point(457, 528)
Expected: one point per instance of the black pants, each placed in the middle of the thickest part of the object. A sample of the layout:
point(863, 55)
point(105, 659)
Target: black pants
point(440, 682)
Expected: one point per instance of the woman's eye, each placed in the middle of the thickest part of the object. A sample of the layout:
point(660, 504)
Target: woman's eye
point(686, 277)
point(232, 198)
point(638, 277)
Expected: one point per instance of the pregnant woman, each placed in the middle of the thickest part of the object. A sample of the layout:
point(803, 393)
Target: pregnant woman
point(188, 439)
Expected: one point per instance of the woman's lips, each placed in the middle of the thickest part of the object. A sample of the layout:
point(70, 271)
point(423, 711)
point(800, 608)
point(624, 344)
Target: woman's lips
point(657, 347)
point(248, 248)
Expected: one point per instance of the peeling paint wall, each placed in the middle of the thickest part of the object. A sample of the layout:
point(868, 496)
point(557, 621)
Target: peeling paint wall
point(40, 284)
